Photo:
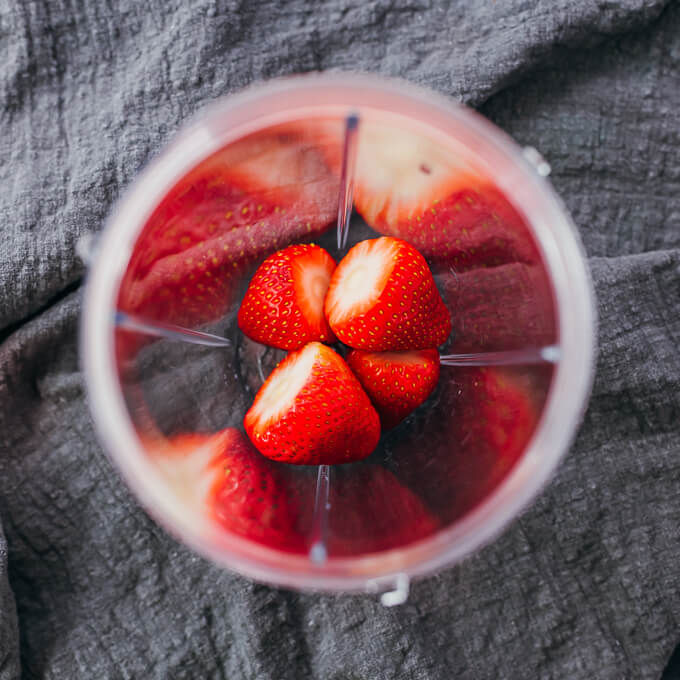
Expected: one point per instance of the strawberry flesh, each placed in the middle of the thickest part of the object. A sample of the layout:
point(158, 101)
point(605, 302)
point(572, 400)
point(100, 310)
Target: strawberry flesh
point(396, 382)
point(312, 410)
point(241, 204)
point(500, 308)
point(371, 511)
point(234, 485)
point(474, 226)
point(413, 187)
point(382, 297)
point(283, 306)
point(461, 448)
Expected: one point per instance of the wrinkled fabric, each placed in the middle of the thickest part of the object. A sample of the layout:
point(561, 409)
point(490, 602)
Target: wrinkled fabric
point(583, 584)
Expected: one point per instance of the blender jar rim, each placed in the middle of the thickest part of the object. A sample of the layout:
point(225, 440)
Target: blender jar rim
point(229, 119)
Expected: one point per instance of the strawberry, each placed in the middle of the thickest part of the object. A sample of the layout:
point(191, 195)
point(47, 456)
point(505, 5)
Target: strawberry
point(500, 308)
point(236, 487)
point(369, 510)
point(413, 187)
point(459, 450)
point(372, 511)
point(283, 306)
point(396, 382)
point(244, 202)
point(311, 410)
point(382, 297)
point(507, 415)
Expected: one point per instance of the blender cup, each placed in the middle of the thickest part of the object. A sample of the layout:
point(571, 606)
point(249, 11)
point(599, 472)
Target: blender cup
point(333, 160)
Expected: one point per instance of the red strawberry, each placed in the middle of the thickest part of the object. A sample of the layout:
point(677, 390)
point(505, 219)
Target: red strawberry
point(461, 448)
point(396, 382)
point(311, 410)
point(500, 308)
point(246, 201)
point(507, 415)
point(225, 476)
point(382, 297)
point(371, 511)
point(283, 306)
point(413, 187)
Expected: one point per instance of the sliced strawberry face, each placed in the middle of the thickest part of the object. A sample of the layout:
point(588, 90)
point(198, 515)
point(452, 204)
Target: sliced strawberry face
point(459, 450)
point(382, 297)
point(400, 174)
point(239, 205)
point(500, 308)
point(396, 382)
point(409, 186)
point(312, 411)
point(283, 306)
point(236, 487)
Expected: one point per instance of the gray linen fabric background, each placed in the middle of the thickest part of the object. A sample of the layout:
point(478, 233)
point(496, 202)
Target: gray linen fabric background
point(585, 584)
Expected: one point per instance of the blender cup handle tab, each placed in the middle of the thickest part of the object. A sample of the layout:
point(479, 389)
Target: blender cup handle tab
point(534, 157)
point(86, 247)
point(394, 589)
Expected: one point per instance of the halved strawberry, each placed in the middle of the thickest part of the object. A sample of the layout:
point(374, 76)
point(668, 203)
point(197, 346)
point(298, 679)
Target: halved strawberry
point(244, 202)
point(224, 476)
point(311, 410)
point(508, 414)
point(414, 187)
point(382, 297)
point(371, 511)
point(283, 306)
point(459, 450)
point(500, 308)
point(396, 382)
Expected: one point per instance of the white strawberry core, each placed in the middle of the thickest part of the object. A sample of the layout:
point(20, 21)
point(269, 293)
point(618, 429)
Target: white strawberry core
point(278, 394)
point(360, 278)
point(400, 174)
point(315, 282)
point(190, 475)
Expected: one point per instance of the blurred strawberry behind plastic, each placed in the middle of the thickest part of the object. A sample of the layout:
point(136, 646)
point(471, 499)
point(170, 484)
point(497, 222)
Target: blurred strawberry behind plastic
point(238, 206)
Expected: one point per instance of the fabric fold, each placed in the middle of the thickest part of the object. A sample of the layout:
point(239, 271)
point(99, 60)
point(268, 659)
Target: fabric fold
point(582, 585)
point(90, 95)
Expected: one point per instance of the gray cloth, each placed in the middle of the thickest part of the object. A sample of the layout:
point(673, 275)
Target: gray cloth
point(9, 633)
point(584, 584)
